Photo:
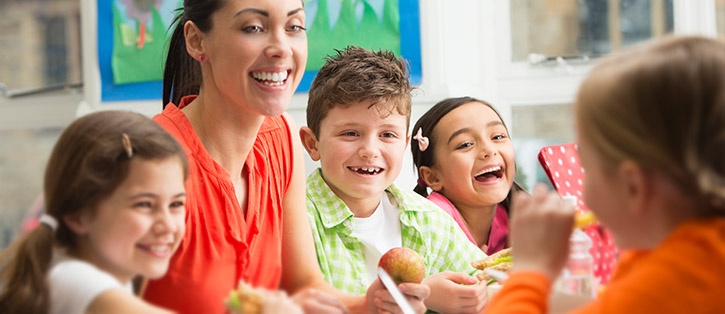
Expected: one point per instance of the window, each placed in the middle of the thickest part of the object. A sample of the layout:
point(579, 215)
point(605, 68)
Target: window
point(584, 28)
point(39, 49)
point(39, 45)
point(537, 126)
point(23, 156)
point(549, 51)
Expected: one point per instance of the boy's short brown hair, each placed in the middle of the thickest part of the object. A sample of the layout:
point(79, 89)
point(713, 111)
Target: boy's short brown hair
point(357, 75)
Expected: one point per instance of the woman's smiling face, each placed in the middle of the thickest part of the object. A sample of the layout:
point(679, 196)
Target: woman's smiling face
point(257, 52)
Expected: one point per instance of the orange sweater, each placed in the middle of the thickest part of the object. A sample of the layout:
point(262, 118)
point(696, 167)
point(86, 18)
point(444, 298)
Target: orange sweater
point(685, 274)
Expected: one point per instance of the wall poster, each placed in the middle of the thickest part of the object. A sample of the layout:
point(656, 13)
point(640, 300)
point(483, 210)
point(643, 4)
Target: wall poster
point(133, 37)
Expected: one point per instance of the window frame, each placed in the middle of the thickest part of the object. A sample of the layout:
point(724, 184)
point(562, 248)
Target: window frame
point(550, 83)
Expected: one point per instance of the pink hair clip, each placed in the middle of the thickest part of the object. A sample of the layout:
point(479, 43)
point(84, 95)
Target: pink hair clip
point(422, 140)
point(127, 144)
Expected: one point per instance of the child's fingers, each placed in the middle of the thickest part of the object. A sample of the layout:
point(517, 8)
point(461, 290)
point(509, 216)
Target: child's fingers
point(520, 201)
point(540, 229)
point(472, 297)
point(460, 278)
point(414, 290)
point(385, 302)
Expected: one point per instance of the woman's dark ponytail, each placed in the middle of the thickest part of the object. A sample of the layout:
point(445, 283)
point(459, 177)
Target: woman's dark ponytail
point(182, 75)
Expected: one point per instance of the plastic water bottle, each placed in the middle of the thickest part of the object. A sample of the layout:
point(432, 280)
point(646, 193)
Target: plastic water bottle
point(578, 274)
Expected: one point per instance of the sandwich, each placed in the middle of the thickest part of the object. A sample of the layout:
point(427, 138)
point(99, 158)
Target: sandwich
point(501, 261)
point(244, 300)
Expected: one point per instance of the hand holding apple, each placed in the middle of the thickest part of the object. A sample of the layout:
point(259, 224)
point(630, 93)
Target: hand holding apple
point(380, 300)
point(403, 265)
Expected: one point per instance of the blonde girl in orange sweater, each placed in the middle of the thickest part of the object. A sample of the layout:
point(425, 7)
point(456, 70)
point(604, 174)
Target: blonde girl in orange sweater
point(651, 134)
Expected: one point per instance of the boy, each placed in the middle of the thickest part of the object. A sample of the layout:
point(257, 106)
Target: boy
point(358, 115)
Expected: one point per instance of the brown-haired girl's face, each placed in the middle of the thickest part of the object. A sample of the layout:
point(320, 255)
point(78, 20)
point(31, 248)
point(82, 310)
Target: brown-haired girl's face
point(257, 52)
point(474, 157)
point(136, 229)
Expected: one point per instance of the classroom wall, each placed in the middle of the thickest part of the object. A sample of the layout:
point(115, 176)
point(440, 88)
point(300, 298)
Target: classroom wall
point(455, 63)
point(466, 50)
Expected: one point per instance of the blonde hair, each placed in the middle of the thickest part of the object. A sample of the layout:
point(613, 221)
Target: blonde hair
point(662, 105)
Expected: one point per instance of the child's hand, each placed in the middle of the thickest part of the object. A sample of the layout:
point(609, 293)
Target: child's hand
point(541, 225)
point(455, 293)
point(316, 301)
point(379, 299)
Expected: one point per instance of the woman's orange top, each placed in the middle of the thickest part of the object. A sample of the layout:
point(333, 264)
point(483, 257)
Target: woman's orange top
point(221, 246)
point(685, 274)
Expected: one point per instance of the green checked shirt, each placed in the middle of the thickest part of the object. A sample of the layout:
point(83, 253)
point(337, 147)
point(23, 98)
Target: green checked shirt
point(425, 229)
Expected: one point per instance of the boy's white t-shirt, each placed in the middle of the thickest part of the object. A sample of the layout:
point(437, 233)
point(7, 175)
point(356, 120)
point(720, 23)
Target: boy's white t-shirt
point(74, 284)
point(378, 233)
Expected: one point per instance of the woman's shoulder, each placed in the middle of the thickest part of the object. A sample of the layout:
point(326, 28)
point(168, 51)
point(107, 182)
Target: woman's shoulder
point(174, 121)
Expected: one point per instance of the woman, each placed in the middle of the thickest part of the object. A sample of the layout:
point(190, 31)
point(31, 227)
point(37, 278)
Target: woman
point(242, 61)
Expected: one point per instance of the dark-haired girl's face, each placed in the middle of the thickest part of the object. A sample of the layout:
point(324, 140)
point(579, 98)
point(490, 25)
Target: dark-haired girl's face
point(474, 157)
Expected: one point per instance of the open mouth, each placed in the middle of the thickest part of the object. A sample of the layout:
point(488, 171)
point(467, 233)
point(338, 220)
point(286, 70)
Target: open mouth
point(366, 170)
point(158, 250)
point(489, 174)
point(271, 78)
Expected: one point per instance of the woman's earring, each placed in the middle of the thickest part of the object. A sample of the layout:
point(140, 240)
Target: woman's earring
point(202, 58)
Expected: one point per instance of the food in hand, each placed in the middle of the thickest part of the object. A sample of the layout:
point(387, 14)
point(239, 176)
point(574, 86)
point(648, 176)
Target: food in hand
point(403, 265)
point(583, 219)
point(501, 261)
point(244, 300)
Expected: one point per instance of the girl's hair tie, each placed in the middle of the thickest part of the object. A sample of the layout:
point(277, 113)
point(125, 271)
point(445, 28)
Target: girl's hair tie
point(423, 141)
point(49, 221)
point(422, 183)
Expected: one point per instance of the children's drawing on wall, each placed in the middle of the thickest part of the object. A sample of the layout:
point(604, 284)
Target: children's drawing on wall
point(334, 24)
point(139, 37)
point(131, 43)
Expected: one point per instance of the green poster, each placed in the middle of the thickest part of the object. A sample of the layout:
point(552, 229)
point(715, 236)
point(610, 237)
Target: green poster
point(140, 40)
point(334, 24)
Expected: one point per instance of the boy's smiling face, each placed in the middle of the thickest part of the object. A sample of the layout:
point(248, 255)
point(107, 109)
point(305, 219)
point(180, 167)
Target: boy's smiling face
point(360, 149)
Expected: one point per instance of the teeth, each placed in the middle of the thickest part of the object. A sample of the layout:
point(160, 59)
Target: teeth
point(371, 170)
point(159, 248)
point(487, 170)
point(271, 78)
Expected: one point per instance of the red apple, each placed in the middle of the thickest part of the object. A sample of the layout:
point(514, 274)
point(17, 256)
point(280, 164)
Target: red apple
point(403, 265)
